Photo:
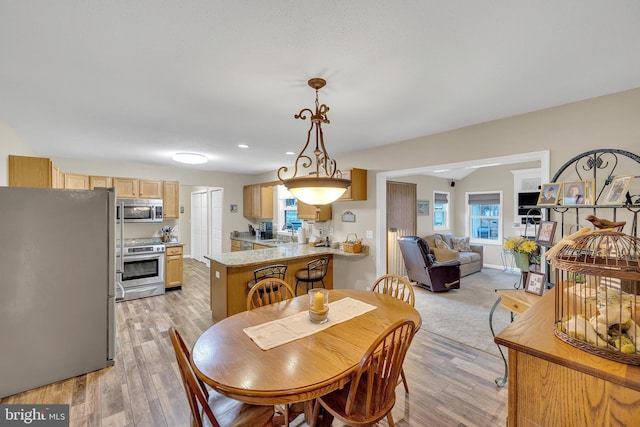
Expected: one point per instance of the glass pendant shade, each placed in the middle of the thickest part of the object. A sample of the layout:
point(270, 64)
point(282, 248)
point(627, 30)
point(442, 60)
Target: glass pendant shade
point(317, 191)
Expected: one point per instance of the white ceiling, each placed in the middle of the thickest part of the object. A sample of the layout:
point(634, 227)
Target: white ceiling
point(139, 80)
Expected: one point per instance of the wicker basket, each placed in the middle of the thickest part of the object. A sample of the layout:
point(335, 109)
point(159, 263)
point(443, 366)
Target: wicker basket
point(598, 295)
point(352, 246)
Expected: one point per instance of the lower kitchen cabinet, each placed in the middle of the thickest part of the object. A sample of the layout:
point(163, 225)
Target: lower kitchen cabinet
point(173, 267)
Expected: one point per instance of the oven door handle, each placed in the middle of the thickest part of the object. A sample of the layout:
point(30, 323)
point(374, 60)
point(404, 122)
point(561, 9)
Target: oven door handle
point(142, 257)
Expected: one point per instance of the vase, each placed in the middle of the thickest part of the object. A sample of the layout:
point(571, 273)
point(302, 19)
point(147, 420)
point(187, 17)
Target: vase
point(522, 260)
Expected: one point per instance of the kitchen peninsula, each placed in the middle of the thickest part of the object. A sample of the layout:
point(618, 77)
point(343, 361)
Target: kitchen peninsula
point(231, 271)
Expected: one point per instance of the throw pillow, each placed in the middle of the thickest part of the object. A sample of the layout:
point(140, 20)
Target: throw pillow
point(441, 244)
point(461, 244)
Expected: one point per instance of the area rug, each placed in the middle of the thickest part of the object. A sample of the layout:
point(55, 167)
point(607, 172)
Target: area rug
point(463, 314)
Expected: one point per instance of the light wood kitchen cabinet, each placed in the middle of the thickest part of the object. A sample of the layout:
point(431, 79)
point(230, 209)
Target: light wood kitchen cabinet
point(126, 188)
point(257, 201)
point(56, 177)
point(75, 181)
point(313, 213)
point(25, 171)
point(148, 189)
point(171, 199)
point(100, 181)
point(259, 246)
point(236, 245)
point(358, 188)
point(173, 267)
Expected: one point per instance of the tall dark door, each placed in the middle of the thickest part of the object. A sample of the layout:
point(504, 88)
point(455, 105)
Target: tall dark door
point(401, 218)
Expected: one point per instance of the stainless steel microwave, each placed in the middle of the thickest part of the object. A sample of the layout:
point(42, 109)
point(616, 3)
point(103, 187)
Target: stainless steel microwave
point(139, 210)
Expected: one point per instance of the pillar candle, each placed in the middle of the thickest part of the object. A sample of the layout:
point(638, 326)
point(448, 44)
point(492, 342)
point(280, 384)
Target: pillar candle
point(318, 301)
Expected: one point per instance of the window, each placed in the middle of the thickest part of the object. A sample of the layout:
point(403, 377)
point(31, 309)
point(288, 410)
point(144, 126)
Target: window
point(287, 210)
point(484, 221)
point(440, 210)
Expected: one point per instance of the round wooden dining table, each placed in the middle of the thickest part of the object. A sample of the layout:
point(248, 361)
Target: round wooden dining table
point(229, 361)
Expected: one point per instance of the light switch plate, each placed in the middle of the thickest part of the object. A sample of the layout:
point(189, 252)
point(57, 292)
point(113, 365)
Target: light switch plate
point(369, 234)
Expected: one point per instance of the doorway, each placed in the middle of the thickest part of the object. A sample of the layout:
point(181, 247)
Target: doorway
point(199, 225)
point(381, 189)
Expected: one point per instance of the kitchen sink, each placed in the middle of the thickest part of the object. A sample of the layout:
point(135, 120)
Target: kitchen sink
point(275, 241)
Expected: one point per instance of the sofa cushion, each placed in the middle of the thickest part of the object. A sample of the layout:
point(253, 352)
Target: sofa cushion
point(441, 244)
point(460, 244)
point(468, 257)
point(443, 255)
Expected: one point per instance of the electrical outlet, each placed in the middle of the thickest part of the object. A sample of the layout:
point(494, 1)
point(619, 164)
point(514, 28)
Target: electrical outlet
point(369, 234)
point(330, 231)
point(320, 230)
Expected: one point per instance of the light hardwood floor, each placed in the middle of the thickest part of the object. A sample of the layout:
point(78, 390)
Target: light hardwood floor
point(450, 384)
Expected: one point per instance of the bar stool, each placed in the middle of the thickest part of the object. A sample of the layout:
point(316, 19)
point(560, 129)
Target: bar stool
point(315, 272)
point(277, 271)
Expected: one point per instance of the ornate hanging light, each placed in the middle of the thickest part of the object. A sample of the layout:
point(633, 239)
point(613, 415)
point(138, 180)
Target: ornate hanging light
point(324, 183)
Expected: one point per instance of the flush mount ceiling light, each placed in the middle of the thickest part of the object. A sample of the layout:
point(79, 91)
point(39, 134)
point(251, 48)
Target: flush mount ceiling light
point(190, 158)
point(324, 183)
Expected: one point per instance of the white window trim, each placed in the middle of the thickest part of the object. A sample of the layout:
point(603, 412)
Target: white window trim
point(467, 219)
point(447, 221)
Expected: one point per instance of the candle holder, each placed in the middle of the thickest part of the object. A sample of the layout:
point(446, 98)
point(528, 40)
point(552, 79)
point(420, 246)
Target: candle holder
point(318, 305)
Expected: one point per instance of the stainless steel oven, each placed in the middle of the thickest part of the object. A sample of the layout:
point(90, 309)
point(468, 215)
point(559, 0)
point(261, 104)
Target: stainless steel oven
point(142, 273)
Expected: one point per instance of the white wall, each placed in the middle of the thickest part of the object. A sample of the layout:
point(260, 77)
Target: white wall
point(10, 143)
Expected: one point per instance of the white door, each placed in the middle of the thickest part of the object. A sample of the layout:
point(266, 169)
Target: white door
point(215, 207)
point(199, 225)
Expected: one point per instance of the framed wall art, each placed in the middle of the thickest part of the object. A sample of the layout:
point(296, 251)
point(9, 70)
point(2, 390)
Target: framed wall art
point(423, 207)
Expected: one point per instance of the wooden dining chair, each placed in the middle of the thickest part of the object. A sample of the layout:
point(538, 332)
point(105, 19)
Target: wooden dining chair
point(371, 394)
point(395, 286)
point(268, 291)
point(209, 408)
point(400, 288)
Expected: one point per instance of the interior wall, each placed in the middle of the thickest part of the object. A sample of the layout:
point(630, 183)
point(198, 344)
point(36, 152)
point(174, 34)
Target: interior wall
point(10, 143)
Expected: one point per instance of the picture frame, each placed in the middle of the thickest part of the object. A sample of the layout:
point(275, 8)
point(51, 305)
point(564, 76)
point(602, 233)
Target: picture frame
point(574, 193)
point(422, 207)
point(535, 283)
point(549, 194)
point(546, 231)
point(618, 190)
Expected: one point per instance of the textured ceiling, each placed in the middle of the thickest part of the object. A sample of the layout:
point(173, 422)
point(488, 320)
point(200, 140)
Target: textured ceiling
point(139, 80)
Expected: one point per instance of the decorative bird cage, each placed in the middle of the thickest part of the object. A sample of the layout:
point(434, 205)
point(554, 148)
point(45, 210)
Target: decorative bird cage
point(597, 286)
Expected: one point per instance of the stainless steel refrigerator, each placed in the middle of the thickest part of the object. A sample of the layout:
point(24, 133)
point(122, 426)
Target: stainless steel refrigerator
point(57, 280)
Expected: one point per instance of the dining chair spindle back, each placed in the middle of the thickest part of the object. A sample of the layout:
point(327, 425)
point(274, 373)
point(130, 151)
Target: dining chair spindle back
point(371, 395)
point(268, 291)
point(205, 404)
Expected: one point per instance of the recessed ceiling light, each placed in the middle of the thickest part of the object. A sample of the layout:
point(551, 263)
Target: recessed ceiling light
point(289, 153)
point(190, 158)
point(243, 146)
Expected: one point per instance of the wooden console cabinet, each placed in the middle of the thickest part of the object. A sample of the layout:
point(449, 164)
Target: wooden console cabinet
point(552, 383)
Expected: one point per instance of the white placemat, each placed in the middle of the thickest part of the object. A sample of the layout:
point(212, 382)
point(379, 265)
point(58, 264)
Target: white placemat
point(281, 331)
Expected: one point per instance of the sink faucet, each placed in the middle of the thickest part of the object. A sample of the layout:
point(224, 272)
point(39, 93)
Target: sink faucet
point(293, 229)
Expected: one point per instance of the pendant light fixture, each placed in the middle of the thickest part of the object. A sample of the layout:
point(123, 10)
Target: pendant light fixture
point(324, 183)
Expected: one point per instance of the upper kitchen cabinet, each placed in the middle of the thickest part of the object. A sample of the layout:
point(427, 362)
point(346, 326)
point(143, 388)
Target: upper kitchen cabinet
point(358, 188)
point(100, 182)
point(257, 201)
point(126, 188)
point(171, 199)
point(313, 213)
point(133, 188)
point(35, 172)
point(75, 181)
point(150, 189)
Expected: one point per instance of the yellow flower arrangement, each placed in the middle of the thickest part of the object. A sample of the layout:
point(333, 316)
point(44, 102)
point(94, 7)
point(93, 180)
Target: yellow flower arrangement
point(520, 244)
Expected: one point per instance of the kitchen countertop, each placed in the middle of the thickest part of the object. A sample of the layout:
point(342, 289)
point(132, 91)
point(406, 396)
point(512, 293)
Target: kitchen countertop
point(281, 251)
